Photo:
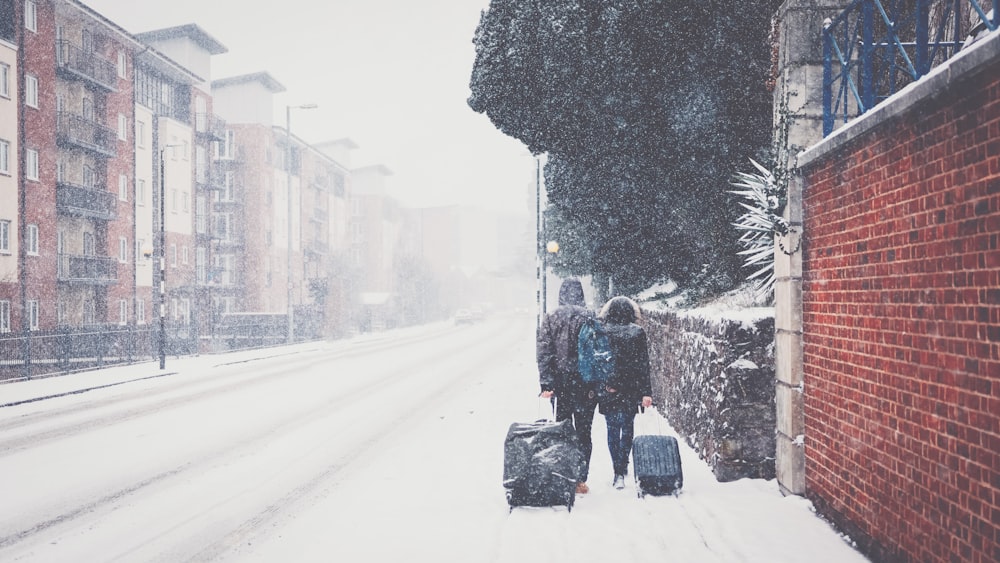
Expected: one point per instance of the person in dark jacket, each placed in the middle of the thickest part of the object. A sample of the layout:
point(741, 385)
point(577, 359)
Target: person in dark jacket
point(629, 386)
point(556, 353)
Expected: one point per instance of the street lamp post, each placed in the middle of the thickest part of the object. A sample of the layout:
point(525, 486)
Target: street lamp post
point(163, 262)
point(288, 175)
point(539, 234)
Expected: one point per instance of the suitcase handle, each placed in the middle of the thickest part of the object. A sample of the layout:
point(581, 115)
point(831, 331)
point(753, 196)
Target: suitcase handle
point(552, 414)
point(641, 411)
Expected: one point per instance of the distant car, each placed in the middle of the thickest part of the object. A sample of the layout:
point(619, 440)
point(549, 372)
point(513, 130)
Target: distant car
point(478, 314)
point(464, 316)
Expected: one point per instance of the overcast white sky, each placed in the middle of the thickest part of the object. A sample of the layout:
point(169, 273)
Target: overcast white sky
point(393, 75)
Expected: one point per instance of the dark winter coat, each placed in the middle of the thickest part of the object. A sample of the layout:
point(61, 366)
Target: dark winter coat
point(630, 348)
point(556, 348)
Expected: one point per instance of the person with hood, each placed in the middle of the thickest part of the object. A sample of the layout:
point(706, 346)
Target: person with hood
point(629, 386)
point(558, 374)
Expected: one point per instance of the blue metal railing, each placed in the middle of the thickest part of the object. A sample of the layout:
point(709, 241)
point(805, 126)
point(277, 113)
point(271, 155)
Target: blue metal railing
point(876, 47)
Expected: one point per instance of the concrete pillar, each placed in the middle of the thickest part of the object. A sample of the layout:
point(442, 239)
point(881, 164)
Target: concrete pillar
point(798, 124)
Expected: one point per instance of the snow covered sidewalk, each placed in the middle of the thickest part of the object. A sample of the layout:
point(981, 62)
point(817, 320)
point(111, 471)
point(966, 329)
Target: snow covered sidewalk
point(432, 492)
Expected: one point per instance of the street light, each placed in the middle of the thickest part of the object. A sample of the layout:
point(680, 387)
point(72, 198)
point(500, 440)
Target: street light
point(163, 261)
point(288, 173)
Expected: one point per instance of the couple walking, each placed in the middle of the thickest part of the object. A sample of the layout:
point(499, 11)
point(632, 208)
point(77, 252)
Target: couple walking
point(627, 389)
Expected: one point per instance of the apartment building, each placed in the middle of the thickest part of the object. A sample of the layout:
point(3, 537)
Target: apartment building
point(118, 174)
point(103, 139)
point(76, 116)
point(175, 104)
point(9, 168)
point(290, 210)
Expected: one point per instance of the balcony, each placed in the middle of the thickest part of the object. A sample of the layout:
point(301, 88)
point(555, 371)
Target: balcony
point(76, 130)
point(228, 243)
point(94, 270)
point(74, 62)
point(320, 215)
point(211, 180)
point(81, 201)
point(316, 248)
point(210, 126)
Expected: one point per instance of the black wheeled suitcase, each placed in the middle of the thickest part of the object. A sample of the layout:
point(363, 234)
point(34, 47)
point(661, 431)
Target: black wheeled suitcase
point(656, 460)
point(542, 461)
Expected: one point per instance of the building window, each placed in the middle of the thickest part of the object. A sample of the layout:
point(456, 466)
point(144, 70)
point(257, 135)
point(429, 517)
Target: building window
point(4, 80)
point(173, 255)
point(185, 202)
point(31, 234)
point(140, 192)
point(225, 149)
point(122, 127)
point(173, 201)
point(122, 311)
point(199, 214)
point(138, 248)
point(4, 316)
point(61, 313)
point(123, 187)
point(123, 250)
point(140, 311)
point(30, 90)
point(4, 157)
point(88, 244)
point(140, 134)
point(121, 64)
point(199, 264)
point(89, 313)
point(31, 163)
point(184, 255)
point(32, 314)
point(30, 15)
point(4, 236)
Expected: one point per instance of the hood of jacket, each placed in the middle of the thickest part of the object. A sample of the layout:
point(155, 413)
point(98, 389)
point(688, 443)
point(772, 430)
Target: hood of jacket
point(571, 293)
point(620, 311)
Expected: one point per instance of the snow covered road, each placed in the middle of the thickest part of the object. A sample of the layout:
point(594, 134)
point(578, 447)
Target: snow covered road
point(384, 448)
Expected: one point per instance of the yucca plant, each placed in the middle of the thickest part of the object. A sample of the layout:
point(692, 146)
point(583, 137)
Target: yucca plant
point(764, 203)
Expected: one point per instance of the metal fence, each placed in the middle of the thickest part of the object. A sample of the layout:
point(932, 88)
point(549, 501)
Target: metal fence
point(874, 48)
point(73, 349)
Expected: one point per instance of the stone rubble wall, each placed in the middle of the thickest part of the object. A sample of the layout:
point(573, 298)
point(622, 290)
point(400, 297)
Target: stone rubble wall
point(713, 378)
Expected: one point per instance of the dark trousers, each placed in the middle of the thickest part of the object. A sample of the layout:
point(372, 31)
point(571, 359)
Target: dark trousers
point(620, 433)
point(581, 412)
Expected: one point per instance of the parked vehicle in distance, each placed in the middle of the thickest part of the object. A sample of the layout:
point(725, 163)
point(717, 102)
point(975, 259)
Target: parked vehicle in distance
point(464, 316)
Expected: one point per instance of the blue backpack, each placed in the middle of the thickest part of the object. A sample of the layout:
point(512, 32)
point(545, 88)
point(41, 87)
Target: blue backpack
point(596, 362)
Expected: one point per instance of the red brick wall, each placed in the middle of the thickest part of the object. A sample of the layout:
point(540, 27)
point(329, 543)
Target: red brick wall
point(901, 324)
point(40, 196)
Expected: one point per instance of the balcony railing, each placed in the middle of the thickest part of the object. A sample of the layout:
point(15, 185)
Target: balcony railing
point(317, 247)
point(876, 47)
point(210, 125)
point(212, 179)
point(74, 199)
point(98, 270)
point(90, 66)
point(77, 130)
point(320, 215)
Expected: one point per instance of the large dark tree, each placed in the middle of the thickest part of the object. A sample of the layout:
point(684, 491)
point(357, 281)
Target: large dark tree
point(645, 108)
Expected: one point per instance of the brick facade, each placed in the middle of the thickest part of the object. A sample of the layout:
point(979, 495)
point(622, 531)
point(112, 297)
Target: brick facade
point(901, 325)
